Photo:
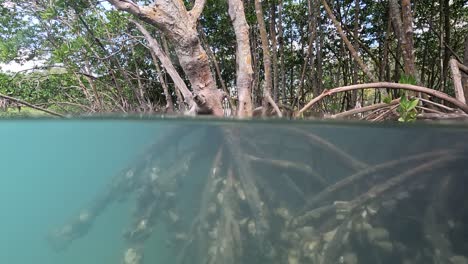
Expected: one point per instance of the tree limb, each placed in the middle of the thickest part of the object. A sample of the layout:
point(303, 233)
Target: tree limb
point(166, 62)
point(347, 42)
point(436, 104)
point(197, 10)
point(388, 85)
point(462, 68)
point(31, 105)
point(274, 105)
point(365, 109)
point(127, 5)
point(457, 83)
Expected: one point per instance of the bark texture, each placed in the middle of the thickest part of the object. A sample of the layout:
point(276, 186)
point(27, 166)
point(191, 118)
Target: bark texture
point(407, 16)
point(266, 56)
point(457, 83)
point(243, 58)
point(404, 32)
point(179, 26)
point(166, 62)
point(282, 81)
point(274, 50)
point(465, 75)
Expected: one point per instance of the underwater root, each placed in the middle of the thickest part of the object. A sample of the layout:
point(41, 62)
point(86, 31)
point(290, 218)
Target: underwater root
point(251, 208)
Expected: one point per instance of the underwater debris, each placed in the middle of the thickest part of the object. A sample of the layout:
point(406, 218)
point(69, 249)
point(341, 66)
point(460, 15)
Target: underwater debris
point(133, 256)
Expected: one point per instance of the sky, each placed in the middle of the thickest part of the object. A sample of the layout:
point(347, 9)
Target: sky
point(15, 67)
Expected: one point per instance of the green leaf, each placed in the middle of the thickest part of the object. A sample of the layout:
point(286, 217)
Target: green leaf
point(403, 100)
point(387, 99)
point(401, 119)
point(413, 103)
point(407, 79)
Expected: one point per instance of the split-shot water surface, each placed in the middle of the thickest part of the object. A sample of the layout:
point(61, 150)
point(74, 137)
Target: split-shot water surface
point(144, 191)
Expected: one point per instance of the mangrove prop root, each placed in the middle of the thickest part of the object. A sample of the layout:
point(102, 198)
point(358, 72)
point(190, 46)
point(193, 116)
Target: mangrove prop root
point(328, 146)
point(290, 165)
point(247, 180)
point(240, 200)
point(330, 190)
point(208, 213)
point(378, 190)
point(121, 185)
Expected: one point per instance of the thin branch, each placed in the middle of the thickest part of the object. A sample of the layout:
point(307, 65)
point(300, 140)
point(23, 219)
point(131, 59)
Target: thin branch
point(436, 104)
point(365, 109)
point(127, 5)
point(197, 10)
point(363, 46)
point(430, 110)
point(443, 42)
point(462, 67)
point(388, 85)
point(348, 43)
point(275, 106)
point(386, 112)
point(74, 104)
point(30, 105)
point(372, 114)
point(166, 62)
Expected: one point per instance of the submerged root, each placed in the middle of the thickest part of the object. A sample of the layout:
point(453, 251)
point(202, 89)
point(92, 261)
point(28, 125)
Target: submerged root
point(247, 207)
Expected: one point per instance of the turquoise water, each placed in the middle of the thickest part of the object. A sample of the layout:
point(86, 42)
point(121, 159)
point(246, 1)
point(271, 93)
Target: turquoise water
point(51, 170)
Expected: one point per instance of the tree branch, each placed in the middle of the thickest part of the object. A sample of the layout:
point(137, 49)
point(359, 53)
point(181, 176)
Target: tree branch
point(274, 105)
point(388, 85)
point(128, 6)
point(457, 82)
point(30, 105)
point(166, 63)
point(197, 10)
point(462, 68)
point(436, 104)
point(348, 43)
point(385, 113)
point(365, 109)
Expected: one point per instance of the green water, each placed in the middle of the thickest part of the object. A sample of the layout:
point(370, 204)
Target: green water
point(51, 169)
